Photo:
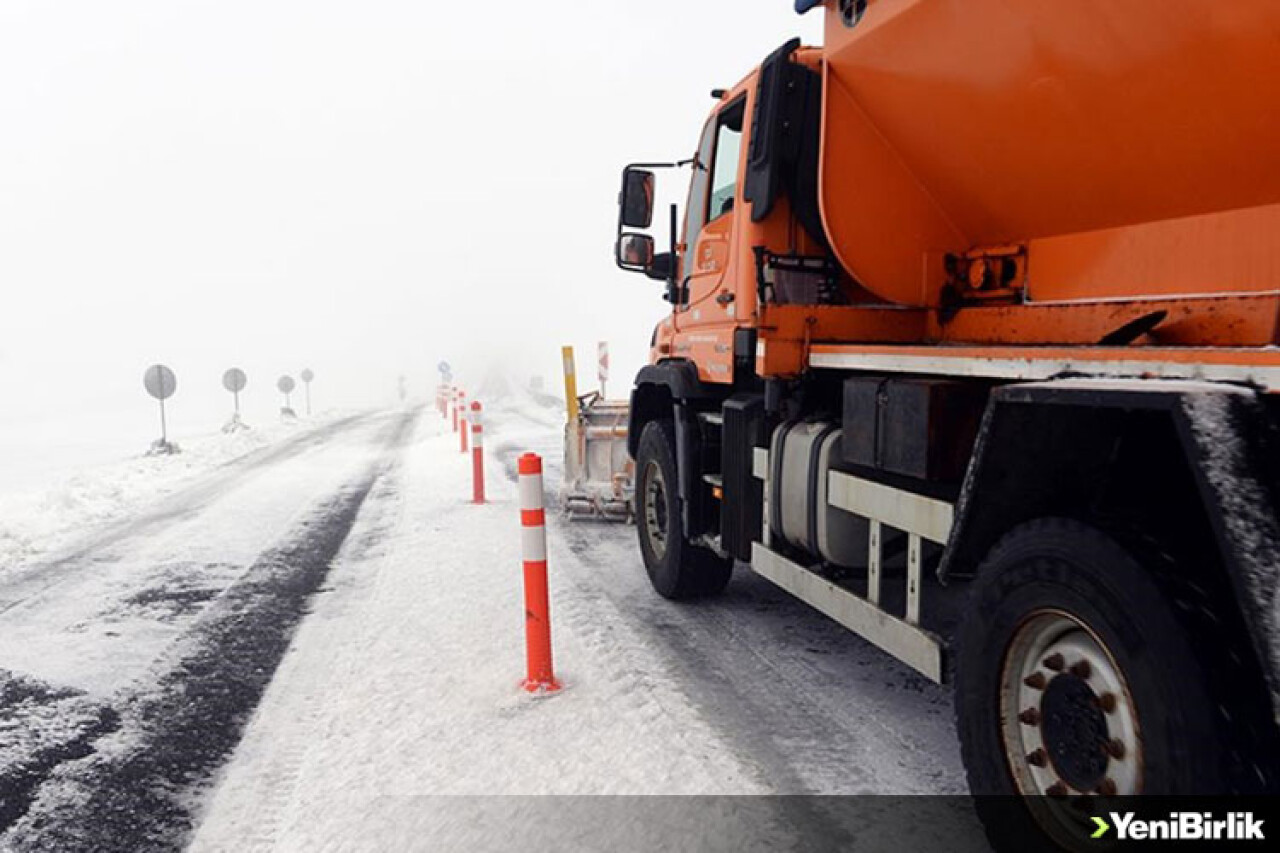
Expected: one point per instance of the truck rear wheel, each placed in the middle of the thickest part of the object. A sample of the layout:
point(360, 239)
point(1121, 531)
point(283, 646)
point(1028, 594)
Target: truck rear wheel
point(677, 568)
point(1079, 672)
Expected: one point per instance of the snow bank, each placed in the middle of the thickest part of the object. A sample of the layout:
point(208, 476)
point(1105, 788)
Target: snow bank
point(40, 519)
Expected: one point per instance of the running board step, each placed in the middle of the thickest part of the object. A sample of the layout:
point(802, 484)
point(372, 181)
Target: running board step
point(917, 648)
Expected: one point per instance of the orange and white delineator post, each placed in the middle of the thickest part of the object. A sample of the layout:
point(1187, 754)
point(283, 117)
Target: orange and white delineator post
point(454, 396)
point(539, 676)
point(477, 454)
point(462, 422)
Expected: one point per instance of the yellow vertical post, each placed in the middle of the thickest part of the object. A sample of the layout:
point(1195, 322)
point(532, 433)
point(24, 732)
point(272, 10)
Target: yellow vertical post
point(570, 383)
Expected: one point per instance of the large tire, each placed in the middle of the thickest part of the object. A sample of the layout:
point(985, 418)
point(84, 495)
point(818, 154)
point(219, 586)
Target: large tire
point(677, 568)
point(1051, 594)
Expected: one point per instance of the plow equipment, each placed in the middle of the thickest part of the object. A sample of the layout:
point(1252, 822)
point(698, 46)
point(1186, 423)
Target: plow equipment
point(599, 473)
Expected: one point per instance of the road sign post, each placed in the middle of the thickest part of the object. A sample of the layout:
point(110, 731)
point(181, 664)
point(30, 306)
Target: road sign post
point(161, 384)
point(234, 381)
point(307, 376)
point(285, 386)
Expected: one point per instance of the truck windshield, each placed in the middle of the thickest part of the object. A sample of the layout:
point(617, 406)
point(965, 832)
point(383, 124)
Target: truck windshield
point(696, 212)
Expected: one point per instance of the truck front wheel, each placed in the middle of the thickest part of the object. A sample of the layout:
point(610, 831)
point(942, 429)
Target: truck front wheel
point(1081, 671)
point(677, 568)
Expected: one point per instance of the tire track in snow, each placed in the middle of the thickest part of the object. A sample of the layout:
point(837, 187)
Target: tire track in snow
point(758, 690)
point(139, 790)
point(289, 760)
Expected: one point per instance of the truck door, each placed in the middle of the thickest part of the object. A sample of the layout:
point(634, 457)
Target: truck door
point(708, 252)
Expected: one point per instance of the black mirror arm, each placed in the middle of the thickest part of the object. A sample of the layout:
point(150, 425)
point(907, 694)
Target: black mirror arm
point(672, 291)
point(660, 268)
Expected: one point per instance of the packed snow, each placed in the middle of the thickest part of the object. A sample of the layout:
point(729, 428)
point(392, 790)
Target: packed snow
point(396, 717)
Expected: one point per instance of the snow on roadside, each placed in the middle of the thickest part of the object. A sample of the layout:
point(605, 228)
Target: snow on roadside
point(401, 687)
point(41, 520)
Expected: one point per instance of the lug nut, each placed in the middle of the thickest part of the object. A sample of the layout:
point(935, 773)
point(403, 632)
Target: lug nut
point(1030, 717)
point(1057, 789)
point(1107, 701)
point(1039, 758)
point(1107, 787)
point(1114, 748)
point(1054, 662)
point(1036, 681)
point(1081, 669)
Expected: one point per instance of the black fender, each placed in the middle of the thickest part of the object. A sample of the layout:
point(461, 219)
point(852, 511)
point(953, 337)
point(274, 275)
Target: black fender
point(1196, 461)
point(658, 389)
point(671, 389)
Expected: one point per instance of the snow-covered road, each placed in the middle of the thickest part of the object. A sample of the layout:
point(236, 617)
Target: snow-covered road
point(129, 663)
point(395, 720)
point(142, 678)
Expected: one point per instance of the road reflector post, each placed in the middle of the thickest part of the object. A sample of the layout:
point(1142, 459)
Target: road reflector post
point(570, 383)
point(477, 453)
point(539, 675)
point(602, 366)
point(453, 406)
point(462, 422)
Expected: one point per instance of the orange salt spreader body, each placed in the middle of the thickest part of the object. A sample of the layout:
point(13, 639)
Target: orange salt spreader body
point(999, 173)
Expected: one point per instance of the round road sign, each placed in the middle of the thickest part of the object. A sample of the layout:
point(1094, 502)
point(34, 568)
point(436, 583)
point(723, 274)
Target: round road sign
point(285, 384)
point(234, 380)
point(160, 382)
point(307, 375)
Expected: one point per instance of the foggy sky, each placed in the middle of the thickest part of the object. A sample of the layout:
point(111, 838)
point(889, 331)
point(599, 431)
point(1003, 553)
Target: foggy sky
point(363, 188)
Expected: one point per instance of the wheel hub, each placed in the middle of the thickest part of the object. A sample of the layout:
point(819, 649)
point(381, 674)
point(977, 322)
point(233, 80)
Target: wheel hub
point(655, 510)
point(1074, 729)
point(1067, 721)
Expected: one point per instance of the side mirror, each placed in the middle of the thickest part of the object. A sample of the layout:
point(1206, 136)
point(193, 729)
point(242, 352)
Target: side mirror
point(636, 199)
point(635, 252)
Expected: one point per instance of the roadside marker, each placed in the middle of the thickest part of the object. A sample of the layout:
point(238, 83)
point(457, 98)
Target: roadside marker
point(477, 453)
point(462, 422)
point(453, 406)
point(602, 366)
point(539, 676)
point(570, 382)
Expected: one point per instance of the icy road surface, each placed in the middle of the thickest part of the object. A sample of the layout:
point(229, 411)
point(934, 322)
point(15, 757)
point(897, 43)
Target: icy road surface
point(136, 674)
point(129, 663)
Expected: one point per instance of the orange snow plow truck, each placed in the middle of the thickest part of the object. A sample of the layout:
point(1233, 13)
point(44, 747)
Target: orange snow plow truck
point(973, 348)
